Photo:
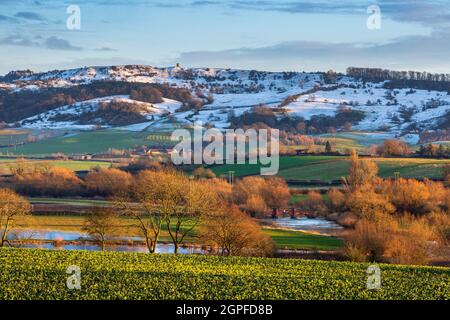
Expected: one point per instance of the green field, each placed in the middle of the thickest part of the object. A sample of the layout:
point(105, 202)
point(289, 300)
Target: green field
point(70, 202)
point(41, 274)
point(11, 137)
point(327, 168)
point(285, 163)
point(86, 142)
point(6, 164)
point(287, 239)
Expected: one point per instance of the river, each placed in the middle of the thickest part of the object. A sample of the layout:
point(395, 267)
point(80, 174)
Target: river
point(71, 240)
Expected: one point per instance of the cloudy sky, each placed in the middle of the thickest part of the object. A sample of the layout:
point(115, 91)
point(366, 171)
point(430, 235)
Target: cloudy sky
point(281, 35)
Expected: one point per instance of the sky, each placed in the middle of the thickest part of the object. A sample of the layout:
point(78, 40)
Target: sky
point(279, 35)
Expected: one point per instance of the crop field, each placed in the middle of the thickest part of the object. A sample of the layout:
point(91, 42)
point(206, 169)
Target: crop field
point(328, 168)
point(41, 274)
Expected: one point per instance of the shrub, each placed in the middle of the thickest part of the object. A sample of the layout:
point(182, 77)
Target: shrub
point(235, 233)
point(368, 204)
point(313, 203)
point(46, 180)
point(201, 172)
point(108, 182)
point(393, 148)
point(336, 199)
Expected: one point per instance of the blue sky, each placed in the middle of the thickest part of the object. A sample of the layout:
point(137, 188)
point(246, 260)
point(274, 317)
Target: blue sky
point(283, 35)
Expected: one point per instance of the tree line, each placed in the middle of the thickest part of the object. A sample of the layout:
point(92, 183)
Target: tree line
point(15, 106)
point(378, 74)
point(261, 115)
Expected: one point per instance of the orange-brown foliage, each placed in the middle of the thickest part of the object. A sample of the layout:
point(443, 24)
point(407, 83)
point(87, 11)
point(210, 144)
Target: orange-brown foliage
point(108, 182)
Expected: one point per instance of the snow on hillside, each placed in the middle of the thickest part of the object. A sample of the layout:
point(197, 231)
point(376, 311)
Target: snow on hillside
point(48, 120)
point(400, 113)
point(384, 109)
point(219, 80)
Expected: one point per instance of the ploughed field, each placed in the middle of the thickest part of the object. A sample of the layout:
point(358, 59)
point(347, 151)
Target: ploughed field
point(41, 274)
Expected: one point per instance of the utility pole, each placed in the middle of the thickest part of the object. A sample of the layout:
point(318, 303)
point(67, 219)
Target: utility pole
point(231, 177)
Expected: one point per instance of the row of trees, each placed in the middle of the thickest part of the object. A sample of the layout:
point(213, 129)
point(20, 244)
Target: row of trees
point(433, 151)
point(163, 201)
point(401, 221)
point(343, 119)
point(43, 179)
point(18, 105)
point(378, 74)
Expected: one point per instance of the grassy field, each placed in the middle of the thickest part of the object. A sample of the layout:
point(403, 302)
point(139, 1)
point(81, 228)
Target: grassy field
point(6, 164)
point(285, 163)
point(41, 274)
point(327, 168)
point(9, 137)
point(283, 239)
point(70, 202)
point(85, 142)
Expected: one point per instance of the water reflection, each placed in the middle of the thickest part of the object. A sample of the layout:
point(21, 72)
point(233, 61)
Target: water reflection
point(54, 240)
point(161, 248)
point(71, 240)
point(303, 223)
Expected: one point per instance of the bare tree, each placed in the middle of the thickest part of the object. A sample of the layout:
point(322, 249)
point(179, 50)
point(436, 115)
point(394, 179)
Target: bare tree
point(193, 200)
point(171, 197)
point(11, 206)
point(235, 233)
point(100, 225)
point(140, 206)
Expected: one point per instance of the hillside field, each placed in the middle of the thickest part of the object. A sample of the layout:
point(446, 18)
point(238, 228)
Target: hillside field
point(41, 274)
point(328, 168)
point(85, 142)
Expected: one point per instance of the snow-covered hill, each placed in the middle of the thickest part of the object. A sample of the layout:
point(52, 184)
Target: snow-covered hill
point(399, 112)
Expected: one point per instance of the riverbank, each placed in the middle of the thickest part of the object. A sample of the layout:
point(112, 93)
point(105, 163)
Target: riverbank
point(70, 228)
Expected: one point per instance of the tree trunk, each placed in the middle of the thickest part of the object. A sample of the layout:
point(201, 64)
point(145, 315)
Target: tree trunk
point(5, 232)
point(175, 248)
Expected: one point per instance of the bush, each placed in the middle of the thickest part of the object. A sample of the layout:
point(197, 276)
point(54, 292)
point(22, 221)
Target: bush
point(46, 181)
point(415, 197)
point(108, 182)
point(336, 199)
point(201, 172)
point(367, 204)
point(235, 234)
point(313, 203)
point(256, 194)
point(393, 148)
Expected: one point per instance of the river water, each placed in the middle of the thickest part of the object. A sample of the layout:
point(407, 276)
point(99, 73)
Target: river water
point(54, 240)
point(303, 223)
